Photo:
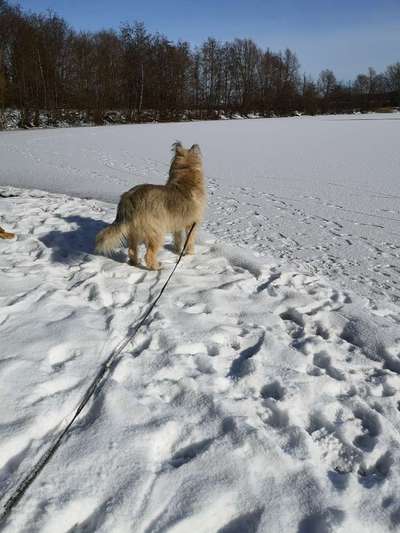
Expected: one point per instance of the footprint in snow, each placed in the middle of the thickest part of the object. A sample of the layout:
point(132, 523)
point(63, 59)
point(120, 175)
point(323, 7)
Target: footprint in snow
point(322, 521)
point(371, 429)
point(189, 453)
point(294, 322)
point(243, 364)
point(273, 390)
point(323, 361)
point(378, 472)
point(272, 394)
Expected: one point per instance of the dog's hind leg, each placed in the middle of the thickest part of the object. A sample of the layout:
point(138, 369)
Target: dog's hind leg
point(153, 246)
point(191, 240)
point(133, 251)
point(178, 241)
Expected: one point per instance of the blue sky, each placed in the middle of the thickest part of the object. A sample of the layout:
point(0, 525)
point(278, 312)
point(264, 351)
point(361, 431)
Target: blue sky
point(347, 36)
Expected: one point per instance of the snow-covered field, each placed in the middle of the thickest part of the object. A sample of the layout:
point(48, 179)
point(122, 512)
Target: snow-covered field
point(263, 392)
point(321, 191)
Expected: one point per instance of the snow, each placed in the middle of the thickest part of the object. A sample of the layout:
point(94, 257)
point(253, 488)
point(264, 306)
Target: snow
point(262, 394)
point(317, 191)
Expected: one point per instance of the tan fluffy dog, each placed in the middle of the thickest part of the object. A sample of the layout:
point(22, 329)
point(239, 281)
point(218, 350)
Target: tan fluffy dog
point(147, 212)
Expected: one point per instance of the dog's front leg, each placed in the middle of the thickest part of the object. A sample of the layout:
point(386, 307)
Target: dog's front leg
point(178, 242)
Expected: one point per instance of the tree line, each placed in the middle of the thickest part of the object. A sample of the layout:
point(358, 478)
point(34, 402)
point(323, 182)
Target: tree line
point(132, 75)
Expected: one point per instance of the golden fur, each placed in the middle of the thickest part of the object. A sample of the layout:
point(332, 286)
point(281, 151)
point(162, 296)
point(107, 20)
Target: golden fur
point(5, 235)
point(147, 212)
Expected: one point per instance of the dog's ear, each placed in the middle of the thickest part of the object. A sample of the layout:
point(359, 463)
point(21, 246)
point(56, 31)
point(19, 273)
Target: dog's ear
point(196, 149)
point(178, 148)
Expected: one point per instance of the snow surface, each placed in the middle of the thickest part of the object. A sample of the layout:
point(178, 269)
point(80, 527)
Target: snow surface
point(321, 191)
point(261, 395)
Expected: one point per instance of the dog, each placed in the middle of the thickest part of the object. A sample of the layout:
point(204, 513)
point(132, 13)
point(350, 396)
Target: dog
point(147, 212)
point(6, 235)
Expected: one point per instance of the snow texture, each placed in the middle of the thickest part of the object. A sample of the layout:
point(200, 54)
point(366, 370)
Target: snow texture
point(262, 395)
point(317, 191)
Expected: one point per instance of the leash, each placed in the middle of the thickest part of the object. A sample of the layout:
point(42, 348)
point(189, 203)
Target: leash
point(95, 386)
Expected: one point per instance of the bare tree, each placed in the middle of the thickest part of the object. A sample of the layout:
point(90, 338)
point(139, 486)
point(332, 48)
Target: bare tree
point(48, 69)
point(327, 83)
point(393, 77)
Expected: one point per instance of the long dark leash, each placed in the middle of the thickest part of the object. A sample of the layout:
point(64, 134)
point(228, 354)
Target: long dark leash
point(95, 386)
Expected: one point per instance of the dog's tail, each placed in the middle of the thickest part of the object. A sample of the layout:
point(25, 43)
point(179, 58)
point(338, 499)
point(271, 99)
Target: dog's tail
point(111, 238)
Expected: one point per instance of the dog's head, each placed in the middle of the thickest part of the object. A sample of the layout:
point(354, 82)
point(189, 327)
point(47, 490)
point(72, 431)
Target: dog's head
point(186, 166)
point(188, 156)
